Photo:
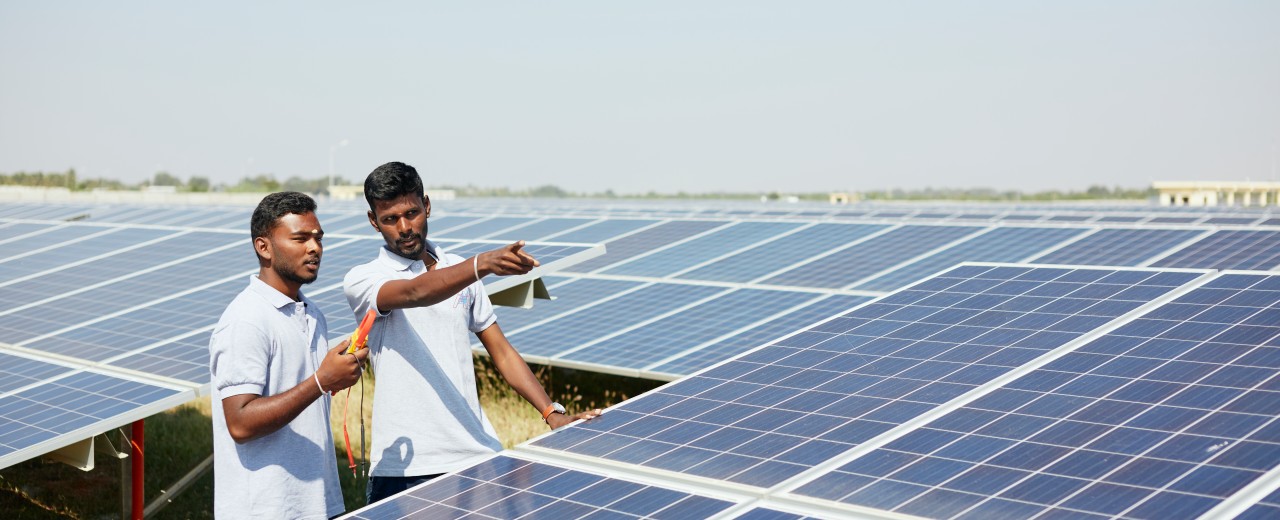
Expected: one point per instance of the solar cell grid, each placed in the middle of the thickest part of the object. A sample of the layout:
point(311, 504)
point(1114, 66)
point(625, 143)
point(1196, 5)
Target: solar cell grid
point(1229, 249)
point(487, 227)
point(38, 236)
point(1120, 218)
point(688, 328)
point(1162, 418)
point(721, 350)
point(568, 297)
point(1174, 220)
point(851, 264)
point(77, 400)
point(540, 229)
point(722, 241)
point(1230, 221)
point(1118, 246)
point(505, 487)
point(11, 230)
point(1006, 244)
point(769, 415)
point(563, 333)
point(781, 252)
point(644, 241)
point(602, 231)
point(62, 304)
point(91, 242)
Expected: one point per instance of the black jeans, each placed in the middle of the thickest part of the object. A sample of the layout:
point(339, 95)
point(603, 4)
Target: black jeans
point(383, 487)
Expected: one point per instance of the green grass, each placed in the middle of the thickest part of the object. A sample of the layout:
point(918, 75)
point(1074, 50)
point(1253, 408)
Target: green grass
point(179, 439)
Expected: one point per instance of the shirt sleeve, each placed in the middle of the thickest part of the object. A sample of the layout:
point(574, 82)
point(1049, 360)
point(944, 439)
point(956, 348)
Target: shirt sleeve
point(361, 288)
point(481, 316)
point(239, 357)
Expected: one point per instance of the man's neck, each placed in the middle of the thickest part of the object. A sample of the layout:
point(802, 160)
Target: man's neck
point(286, 287)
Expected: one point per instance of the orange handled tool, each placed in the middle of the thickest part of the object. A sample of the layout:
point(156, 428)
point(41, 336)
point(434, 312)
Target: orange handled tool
point(360, 338)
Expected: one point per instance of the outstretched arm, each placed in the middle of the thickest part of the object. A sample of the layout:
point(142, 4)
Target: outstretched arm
point(517, 374)
point(435, 286)
point(250, 416)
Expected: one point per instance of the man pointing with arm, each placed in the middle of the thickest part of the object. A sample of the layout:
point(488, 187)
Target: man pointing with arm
point(426, 412)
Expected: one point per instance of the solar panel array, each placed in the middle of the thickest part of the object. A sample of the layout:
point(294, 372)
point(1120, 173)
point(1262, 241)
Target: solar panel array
point(987, 391)
point(680, 289)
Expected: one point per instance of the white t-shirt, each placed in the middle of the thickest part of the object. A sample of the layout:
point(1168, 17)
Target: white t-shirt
point(266, 343)
point(426, 412)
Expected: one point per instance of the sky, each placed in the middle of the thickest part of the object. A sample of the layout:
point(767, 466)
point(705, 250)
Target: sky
point(666, 96)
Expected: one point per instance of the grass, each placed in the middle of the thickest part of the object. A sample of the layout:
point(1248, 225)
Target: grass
point(179, 439)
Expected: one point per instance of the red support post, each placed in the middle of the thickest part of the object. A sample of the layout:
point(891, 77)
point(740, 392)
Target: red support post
point(136, 453)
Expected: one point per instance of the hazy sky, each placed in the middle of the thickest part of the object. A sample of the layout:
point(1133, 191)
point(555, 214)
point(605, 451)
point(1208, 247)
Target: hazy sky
point(637, 96)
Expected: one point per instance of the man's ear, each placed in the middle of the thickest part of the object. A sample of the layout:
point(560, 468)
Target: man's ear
point(426, 204)
point(263, 247)
point(373, 221)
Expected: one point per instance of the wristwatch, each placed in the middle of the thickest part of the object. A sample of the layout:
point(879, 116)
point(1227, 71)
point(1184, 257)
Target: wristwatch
point(550, 409)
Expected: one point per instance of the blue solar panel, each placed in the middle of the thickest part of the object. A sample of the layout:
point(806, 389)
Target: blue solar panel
point(73, 401)
point(602, 231)
point(769, 415)
point(1230, 221)
point(1118, 246)
point(1270, 222)
point(1164, 417)
point(762, 513)
point(1021, 217)
point(1174, 220)
point(1229, 250)
point(568, 298)
point(720, 350)
point(722, 241)
point(688, 328)
point(442, 226)
point(1006, 244)
point(647, 240)
point(590, 323)
point(782, 252)
point(505, 487)
point(44, 236)
point(1120, 218)
point(486, 227)
point(865, 259)
point(1069, 218)
point(540, 229)
point(185, 358)
point(66, 252)
point(10, 230)
point(71, 303)
point(1267, 508)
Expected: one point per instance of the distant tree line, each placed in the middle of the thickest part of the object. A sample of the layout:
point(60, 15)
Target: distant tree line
point(268, 183)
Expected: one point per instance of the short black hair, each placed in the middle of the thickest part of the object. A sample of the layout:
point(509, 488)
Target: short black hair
point(391, 181)
point(277, 205)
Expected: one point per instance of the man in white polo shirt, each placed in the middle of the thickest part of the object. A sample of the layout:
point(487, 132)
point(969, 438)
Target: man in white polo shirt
point(426, 413)
point(270, 364)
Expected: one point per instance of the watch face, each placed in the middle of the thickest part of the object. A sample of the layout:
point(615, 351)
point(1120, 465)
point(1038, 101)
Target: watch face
point(557, 407)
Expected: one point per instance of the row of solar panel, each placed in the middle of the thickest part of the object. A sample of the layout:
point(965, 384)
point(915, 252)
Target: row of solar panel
point(232, 217)
point(989, 391)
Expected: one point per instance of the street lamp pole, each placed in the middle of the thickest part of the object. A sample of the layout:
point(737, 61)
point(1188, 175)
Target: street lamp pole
point(332, 150)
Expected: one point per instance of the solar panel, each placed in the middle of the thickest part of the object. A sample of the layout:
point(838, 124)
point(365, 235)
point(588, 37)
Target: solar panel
point(1164, 417)
point(1005, 244)
point(647, 240)
point(11, 230)
point(1174, 220)
point(721, 349)
point(772, 414)
point(1229, 249)
point(569, 296)
point(782, 252)
point(89, 244)
point(1230, 221)
point(1118, 246)
point(566, 332)
point(45, 406)
point(506, 487)
point(600, 231)
point(686, 329)
point(1120, 218)
point(540, 229)
point(701, 250)
point(488, 226)
point(849, 265)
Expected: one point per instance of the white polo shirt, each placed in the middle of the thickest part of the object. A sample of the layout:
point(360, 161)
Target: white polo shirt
point(426, 412)
point(266, 343)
